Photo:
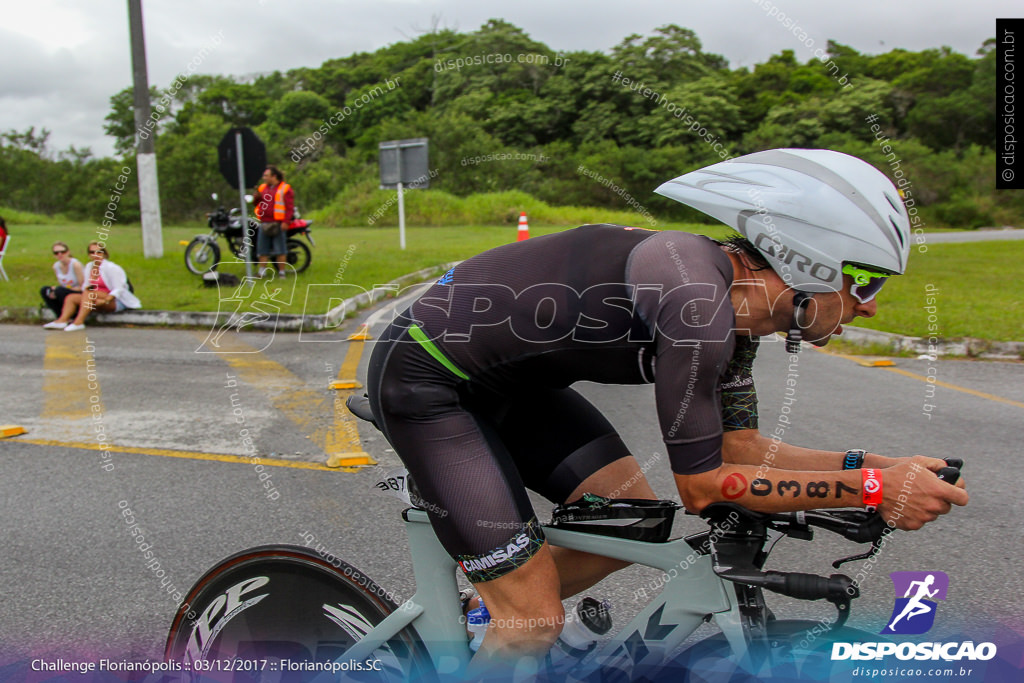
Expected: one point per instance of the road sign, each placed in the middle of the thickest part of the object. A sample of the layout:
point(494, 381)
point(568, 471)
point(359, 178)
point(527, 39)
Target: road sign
point(253, 153)
point(404, 161)
point(243, 158)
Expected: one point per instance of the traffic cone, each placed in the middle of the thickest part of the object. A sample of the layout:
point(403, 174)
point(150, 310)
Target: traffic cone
point(524, 228)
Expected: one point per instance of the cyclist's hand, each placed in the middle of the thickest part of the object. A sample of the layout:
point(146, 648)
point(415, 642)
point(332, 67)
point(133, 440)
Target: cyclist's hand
point(935, 464)
point(883, 461)
point(912, 495)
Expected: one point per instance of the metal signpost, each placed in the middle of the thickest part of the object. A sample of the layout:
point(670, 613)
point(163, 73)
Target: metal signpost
point(242, 157)
point(402, 163)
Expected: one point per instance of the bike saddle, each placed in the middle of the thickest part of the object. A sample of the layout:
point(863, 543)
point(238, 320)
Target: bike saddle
point(360, 407)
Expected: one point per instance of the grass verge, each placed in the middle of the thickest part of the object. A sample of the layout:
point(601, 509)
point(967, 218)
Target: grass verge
point(975, 287)
point(363, 257)
point(969, 289)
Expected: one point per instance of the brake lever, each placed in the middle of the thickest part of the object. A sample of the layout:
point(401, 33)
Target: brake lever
point(873, 527)
point(875, 547)
point(948, 474)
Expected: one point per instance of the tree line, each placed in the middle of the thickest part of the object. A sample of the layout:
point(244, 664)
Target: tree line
point(505, 112)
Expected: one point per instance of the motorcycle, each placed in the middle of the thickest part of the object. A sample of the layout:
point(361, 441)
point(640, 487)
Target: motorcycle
point(202, 254)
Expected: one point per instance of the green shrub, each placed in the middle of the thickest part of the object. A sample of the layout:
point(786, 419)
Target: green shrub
point(14, 218)
point(364, 204)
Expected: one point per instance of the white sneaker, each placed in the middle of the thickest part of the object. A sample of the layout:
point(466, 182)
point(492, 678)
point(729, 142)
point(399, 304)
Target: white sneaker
point(55, 325)
point(74, 328)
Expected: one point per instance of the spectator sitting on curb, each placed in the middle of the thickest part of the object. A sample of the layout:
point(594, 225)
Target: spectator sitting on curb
point(70, 275)
point(106, 290)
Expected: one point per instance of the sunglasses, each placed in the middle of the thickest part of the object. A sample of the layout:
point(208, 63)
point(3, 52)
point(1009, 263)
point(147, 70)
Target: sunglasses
point(866, 284)
point(58, 252)
point(97, 251)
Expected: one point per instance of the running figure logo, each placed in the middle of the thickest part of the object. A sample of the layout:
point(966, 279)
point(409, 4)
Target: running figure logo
point(256, 300)
point(914, 613)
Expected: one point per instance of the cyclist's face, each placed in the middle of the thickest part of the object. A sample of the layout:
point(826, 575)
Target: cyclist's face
point(828, 312)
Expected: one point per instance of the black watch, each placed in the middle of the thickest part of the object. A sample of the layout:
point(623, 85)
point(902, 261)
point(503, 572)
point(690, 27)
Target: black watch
point(854, 459)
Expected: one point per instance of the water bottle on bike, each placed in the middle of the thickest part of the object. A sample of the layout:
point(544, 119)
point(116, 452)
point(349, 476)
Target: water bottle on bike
point(588, 622)
point(477, 620)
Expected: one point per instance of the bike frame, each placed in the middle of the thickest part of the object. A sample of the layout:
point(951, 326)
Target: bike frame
point(692, 593)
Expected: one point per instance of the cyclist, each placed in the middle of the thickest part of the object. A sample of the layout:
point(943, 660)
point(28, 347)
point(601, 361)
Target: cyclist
point(471, 384)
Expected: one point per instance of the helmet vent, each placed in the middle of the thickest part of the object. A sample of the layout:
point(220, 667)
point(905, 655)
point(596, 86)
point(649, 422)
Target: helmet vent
point(896, 205)
point(896, 228)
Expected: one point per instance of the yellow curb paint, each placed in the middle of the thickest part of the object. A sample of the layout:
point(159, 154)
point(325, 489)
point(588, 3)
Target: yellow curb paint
point(67, 366)
point(11, 430)
point(190, 455)
point(346, 384)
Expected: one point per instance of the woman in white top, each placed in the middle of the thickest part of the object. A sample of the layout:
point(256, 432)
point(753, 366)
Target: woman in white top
point(106, 290)
point(70, 276)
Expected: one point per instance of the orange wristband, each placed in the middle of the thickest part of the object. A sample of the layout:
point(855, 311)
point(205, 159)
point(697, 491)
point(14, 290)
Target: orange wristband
point(872, 493)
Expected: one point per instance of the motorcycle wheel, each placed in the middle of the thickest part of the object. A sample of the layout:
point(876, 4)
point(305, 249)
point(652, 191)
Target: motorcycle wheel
point(299, 255)
point(201, 256)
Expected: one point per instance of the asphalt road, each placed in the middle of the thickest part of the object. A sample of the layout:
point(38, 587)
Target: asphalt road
point(74, 583)
point(975, 235)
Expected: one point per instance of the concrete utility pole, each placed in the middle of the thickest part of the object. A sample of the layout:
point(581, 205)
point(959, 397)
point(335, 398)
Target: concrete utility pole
point(145, 154)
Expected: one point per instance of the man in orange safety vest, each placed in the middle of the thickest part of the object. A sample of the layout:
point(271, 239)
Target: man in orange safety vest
point(275, 207)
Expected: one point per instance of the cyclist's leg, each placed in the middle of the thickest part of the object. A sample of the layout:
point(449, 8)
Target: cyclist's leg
point(578, 570)
point(473, 495)
point(564, 447)
point(526, 611)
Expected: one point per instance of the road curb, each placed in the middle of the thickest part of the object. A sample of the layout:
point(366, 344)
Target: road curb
point(333, 319)
point(933, 346)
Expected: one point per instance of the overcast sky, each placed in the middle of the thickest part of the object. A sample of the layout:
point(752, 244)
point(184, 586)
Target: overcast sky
point(63, 59)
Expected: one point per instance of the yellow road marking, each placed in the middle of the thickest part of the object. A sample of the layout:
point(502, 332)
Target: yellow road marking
point(954, 387)
point(66, 367)
point(302, 406)
point(347, 448)
point(191, 455)
point(923, 378)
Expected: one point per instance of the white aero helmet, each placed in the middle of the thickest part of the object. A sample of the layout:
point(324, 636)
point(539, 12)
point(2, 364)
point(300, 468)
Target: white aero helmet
point(809, 211)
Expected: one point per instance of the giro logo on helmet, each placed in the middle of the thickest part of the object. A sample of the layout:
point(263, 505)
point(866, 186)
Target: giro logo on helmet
point(791, 256)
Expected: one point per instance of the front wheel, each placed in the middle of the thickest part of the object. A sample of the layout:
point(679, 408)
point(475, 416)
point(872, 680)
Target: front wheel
point(298, 255)
point(282, 608)
point(797, 650)
point(202, 255)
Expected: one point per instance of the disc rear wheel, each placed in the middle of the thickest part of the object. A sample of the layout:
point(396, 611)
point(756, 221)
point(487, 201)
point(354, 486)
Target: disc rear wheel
point(292, 611)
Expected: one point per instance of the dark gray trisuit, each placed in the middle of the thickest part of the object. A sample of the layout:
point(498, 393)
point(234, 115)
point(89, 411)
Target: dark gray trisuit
point(483, 407)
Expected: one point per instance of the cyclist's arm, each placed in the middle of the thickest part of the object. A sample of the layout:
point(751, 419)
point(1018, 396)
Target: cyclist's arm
point(750, 447)
point(911, 493)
